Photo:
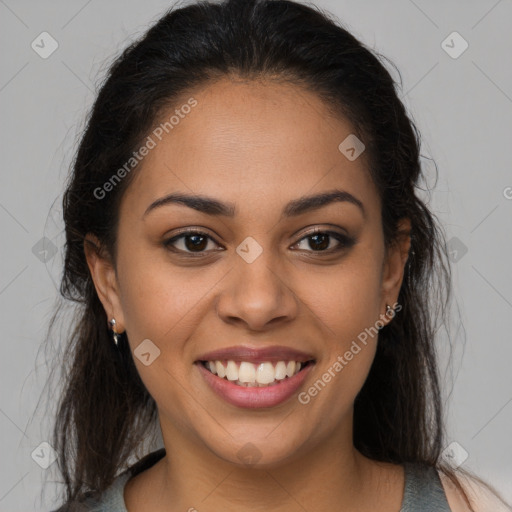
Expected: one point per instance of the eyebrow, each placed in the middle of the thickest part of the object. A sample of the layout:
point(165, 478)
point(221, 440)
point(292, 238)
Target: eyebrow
point(211, 206)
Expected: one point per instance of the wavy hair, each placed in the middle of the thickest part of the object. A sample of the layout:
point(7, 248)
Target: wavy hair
point(105, 412)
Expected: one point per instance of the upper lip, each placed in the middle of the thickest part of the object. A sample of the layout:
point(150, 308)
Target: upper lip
point(256, 355)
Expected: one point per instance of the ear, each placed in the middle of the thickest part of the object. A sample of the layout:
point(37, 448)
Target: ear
point(394, 265)
point(105, 279)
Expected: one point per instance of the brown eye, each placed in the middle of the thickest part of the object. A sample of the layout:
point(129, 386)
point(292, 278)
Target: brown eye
point(189, 242)
point(320, 241)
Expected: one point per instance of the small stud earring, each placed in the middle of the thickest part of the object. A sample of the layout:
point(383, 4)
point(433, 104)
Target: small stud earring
point(389, 311)
point(115, 334)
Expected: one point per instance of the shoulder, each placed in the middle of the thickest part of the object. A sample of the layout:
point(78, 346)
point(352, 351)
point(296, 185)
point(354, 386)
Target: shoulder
point(110, 500)
point(481, 496)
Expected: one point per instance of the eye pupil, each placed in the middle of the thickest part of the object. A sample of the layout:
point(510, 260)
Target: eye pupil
point(196, 244)
point(324, 243)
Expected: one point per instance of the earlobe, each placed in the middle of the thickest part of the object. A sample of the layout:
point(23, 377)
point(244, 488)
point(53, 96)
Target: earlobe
point(104, 278)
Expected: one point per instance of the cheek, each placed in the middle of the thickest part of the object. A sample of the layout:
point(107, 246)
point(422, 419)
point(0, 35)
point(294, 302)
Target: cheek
point(347, 305)
point(163, 305)
point(346, 299)
point(346, 361)
point(152, 297)
point(164, 302)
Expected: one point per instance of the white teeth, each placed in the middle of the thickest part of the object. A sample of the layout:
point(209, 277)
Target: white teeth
point(290, 368)
point(265, 374)
point(232, 371)
point(254, 375)
point(219, 367)
point(280, 370)
point(247, 372)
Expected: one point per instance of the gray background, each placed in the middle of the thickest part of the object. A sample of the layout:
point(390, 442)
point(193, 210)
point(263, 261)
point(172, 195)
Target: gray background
point(462, 106)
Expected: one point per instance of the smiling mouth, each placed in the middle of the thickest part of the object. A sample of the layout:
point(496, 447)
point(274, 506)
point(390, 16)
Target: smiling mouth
point(247, 374)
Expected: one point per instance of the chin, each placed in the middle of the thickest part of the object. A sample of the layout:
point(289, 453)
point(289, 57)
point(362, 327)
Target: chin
point(258, 452)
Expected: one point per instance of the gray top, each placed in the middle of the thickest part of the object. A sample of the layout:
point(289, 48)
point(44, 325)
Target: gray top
point(423, 492)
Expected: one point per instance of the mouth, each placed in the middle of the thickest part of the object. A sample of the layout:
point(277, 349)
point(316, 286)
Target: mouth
point(248, 374)
point(255, 377)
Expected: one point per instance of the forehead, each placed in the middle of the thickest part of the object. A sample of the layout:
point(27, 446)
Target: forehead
point(255, 144)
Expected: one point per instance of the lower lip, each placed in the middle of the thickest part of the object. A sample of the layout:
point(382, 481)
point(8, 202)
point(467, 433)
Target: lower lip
point(254, 397)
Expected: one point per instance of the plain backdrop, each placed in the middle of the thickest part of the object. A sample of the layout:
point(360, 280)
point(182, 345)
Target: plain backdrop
point(461, 103)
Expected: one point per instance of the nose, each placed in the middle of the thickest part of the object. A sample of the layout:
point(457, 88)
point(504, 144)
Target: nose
point(257, 295)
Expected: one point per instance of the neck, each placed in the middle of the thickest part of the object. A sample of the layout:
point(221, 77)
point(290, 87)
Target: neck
point(332, 474)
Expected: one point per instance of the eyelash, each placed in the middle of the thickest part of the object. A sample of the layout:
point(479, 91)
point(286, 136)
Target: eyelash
point(345, 242)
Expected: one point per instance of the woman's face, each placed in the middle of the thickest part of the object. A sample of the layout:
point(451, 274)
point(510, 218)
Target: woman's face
point(257, 286)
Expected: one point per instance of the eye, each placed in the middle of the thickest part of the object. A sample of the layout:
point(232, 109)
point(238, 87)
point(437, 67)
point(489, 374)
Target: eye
point(320, 241)
point(191, 241)
point(196, 242)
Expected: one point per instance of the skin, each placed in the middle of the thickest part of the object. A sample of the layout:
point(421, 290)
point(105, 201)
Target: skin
point(257, 145)
point(482, 497)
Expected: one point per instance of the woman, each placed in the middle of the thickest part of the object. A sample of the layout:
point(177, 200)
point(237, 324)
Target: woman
point(256, 275)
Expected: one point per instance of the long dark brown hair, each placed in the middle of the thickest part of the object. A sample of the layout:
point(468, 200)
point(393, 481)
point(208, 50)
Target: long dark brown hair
point(105, 413)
